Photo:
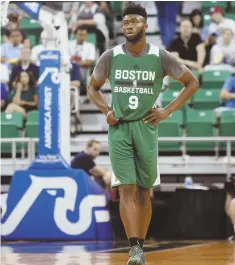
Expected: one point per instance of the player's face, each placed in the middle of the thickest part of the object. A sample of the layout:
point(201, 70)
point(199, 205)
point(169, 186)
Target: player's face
point(134, 27)
point(94, 150)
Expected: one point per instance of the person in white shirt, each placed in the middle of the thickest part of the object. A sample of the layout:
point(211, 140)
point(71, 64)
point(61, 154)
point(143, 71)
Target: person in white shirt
point(82, 53)
point(219, 22)
point(224, 53)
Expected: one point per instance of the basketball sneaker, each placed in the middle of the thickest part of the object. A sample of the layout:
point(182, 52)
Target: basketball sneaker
point(136, 256)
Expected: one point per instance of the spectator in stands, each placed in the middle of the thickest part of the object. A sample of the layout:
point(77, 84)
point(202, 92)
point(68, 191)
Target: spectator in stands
point(209, 43)
point(197, 21)
point(219, 22)
point(227, 95)
point(10, 51)
point(224, 53)
point(85, 160)
point(14, 23)
point(3, 96)
point(167, 13)
point(91, 16)
point(23, 97)
point(188, 47)
point(4, 73)
point(24, 64)
point(70, 10)
point(83, 54)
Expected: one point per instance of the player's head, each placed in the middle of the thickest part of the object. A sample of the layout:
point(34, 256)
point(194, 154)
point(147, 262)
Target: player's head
point(93, 148)
point(134, 22)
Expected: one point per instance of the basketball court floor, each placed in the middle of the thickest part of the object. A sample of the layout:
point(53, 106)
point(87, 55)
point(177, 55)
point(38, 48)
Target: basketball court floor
point(77, 253)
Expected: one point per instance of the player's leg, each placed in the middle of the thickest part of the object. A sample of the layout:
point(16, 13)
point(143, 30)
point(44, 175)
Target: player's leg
point(121, 153)
point(129, 212)
point(146, 154)
point(145, 213)
point(230, 208)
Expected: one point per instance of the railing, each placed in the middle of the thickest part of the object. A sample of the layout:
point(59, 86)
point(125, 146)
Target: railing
point(32, 142)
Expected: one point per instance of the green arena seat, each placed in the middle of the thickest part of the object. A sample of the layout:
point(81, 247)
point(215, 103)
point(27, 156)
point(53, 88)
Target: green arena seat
point(200, 123)
point(206, 99)
point(214, 79)
point(15, 118)
point(27, 23)
point(91, 38)
point(168, 96)
point(116, 7)
point(227, 126)
point(32, 123)
point(171, 127)
point(11, 125)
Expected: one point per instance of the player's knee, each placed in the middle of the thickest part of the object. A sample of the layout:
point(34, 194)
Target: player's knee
point(144, 197)
point(127, 192)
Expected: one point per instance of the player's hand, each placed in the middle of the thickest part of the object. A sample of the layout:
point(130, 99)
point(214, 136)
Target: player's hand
point(156, 115)
point(110, 118)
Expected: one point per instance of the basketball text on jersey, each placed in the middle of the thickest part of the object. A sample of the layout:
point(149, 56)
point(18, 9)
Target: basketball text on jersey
point(135, 75)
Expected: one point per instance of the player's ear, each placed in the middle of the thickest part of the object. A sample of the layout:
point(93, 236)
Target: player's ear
point(146, 26)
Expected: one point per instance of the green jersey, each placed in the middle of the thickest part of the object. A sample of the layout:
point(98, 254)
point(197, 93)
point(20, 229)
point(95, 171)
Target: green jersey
point(136, 80)
point(135, 83)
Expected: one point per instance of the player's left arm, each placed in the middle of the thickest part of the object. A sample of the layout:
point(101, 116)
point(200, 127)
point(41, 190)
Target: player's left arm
point(172, 67)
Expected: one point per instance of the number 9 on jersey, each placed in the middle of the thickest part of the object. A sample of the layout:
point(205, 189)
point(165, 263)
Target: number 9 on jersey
point(133, 102)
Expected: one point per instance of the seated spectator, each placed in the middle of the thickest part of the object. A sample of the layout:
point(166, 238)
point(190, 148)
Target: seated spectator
point(83, 54)
point(209, 43)
point(14, 23)
point(23, 97)
point(85, 160)
point(91, 16)
point(10, 51)
point(197, 21)
point(3, 96)
point(188, 47)
point(24, 64)
point(224, 53)
point(227, 95)
point(219, 22)
point(4, 73)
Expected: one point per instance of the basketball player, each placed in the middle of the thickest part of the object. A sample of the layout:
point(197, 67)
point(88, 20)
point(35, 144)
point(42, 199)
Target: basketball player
point(135, 71)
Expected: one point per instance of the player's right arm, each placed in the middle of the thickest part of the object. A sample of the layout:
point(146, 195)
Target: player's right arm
point(97, 80)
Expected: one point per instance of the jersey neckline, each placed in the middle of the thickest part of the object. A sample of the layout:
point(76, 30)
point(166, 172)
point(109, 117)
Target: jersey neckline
point(143, 53)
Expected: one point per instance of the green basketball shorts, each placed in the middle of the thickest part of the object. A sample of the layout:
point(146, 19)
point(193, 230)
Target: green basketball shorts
point(133, 152)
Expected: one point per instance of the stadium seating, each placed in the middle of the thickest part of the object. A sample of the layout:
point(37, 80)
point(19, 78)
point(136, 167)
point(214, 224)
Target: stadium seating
point(171, 127)
point(227, 126)
point(200, 123)
point(11, 125)
point(214, 79)
point(206, 99)
point(32, 124)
